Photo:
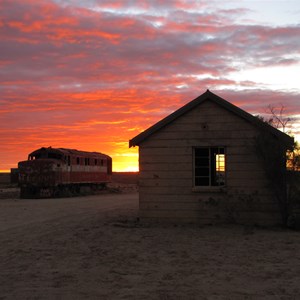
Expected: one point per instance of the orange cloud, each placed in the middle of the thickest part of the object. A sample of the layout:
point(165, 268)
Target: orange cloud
point(92, 74)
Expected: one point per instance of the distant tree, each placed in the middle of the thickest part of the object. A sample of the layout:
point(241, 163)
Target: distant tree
point(278, 118)
point(293, 158)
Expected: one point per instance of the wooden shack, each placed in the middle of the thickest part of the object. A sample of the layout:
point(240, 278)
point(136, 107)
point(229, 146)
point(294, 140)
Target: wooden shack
point(211, 162)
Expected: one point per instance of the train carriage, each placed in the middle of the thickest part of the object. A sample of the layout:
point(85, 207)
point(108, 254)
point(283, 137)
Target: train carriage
point(54, 172)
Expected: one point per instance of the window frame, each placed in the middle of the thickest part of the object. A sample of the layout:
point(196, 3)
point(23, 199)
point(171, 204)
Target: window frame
point(210, 186)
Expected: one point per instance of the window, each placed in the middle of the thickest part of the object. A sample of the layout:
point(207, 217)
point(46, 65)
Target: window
point(78, 160)
point(209, 166)
point(54, 155)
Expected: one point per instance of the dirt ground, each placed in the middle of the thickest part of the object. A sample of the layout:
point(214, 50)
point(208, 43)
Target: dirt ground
point(93, 247)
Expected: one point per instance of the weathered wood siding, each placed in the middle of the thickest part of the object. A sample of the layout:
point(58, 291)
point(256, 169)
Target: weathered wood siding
point(166, 171)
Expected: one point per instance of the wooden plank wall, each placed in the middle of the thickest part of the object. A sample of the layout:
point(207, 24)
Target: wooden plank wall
point(166, 171)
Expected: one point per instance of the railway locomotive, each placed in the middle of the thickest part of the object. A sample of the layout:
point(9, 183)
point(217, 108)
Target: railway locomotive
point(56, 172)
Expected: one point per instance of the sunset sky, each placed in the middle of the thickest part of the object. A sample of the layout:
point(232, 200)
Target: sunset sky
point(92, 74)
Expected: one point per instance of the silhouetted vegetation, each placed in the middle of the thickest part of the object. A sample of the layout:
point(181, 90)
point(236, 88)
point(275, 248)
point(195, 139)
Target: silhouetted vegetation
point(281, 166)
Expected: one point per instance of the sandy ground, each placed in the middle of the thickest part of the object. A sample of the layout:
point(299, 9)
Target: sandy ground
point(93, 248)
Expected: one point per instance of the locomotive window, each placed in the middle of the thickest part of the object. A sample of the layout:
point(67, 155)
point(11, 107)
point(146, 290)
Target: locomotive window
point(95, 161)
point(54, 155)
point(102, 162)
point(78, 160)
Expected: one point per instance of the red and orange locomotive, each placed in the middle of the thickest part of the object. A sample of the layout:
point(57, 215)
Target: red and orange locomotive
point(54, 172)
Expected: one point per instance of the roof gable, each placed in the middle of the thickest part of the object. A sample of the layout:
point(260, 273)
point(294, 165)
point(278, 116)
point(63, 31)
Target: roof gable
point(219, 101)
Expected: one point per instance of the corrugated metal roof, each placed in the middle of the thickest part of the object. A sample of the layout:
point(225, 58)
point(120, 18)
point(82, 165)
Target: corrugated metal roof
point(209, 96)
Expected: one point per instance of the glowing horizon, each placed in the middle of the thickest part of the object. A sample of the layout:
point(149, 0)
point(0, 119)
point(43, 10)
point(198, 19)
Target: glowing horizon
point(91, 75)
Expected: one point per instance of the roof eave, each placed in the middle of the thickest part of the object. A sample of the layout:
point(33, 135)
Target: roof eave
point(162, 123)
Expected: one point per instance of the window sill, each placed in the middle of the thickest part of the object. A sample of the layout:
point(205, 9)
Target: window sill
point(209, 189)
